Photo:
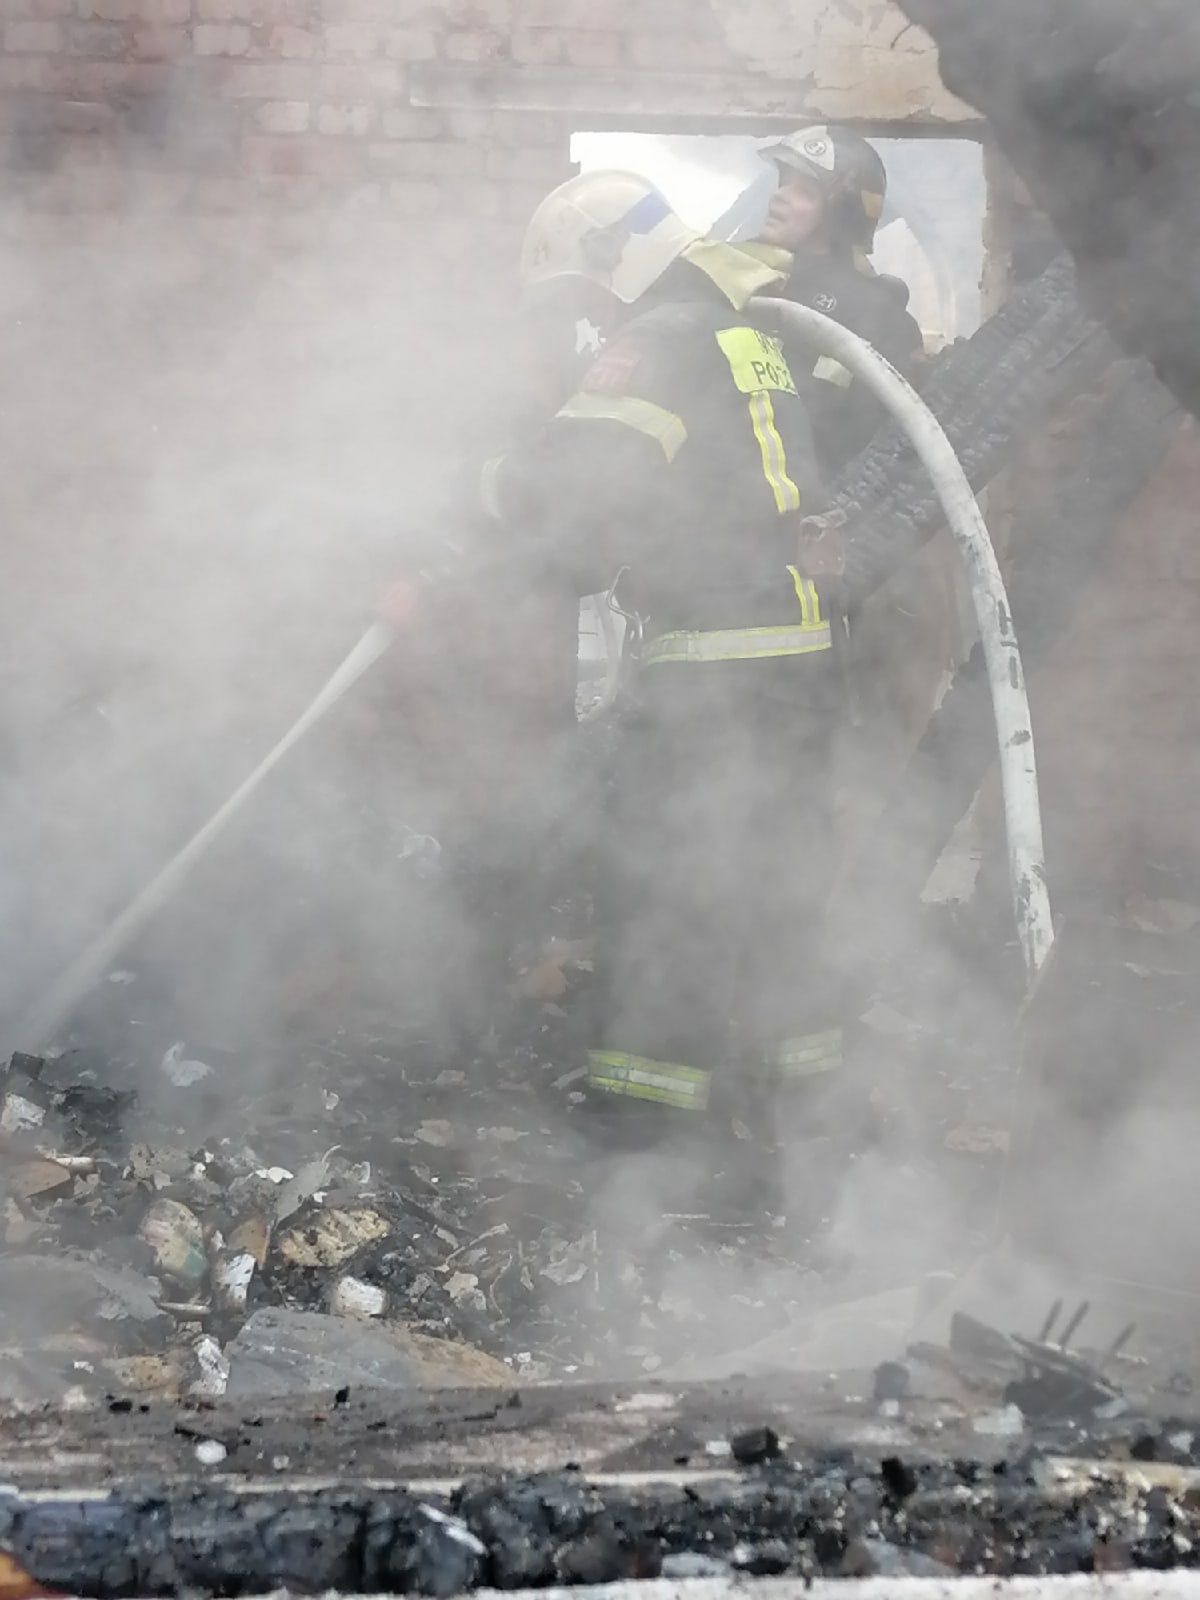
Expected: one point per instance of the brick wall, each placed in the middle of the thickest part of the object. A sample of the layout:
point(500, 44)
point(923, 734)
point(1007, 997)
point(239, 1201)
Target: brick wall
point(390, 102)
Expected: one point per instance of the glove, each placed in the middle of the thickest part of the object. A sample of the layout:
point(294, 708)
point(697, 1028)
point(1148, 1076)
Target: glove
point(403, 605)
point(409, 602)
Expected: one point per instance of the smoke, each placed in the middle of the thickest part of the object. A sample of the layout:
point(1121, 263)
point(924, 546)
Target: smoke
point(224, 436)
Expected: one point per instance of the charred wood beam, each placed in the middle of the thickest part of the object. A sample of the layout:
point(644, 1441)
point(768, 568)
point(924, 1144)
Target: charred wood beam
point(1094, 103)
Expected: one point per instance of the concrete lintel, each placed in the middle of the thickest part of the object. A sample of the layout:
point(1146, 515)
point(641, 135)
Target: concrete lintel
point(698, 99)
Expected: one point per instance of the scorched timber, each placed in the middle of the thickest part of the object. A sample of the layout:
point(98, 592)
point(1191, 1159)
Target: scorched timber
point(1094, 103)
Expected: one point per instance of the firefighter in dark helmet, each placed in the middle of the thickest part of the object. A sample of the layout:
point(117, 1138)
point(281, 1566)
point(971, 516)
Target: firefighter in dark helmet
point(678, 478)
point(825, 210)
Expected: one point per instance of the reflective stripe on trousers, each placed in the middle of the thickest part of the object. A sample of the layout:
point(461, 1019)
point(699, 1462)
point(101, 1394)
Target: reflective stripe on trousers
point(807, 1055)
point(810, 634)
point(665, 1082)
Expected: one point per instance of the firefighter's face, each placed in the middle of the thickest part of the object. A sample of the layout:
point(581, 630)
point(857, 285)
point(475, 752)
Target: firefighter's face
point(796, 211)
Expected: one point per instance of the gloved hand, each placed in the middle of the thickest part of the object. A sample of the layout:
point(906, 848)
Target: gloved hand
point(412, 601)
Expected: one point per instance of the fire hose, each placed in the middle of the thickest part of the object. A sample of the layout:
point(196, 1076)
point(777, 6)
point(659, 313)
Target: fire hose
point(1002, 657)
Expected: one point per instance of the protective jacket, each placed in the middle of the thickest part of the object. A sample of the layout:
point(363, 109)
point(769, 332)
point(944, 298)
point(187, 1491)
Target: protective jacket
point(844, 285)
point(687, 457)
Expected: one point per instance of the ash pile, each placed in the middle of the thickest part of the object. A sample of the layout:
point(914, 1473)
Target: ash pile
point(231, 1325)
point(416, 1225)
point(1099, 1499)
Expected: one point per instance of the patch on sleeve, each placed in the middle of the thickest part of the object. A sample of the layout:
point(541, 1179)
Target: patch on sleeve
point(613, 372)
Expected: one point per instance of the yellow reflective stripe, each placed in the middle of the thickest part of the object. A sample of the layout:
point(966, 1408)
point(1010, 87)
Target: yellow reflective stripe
point(830, 371)
point(749, 644)
point(663, 426)
point(737, 644)
point(774, 457)
point(810, 600)
point(809, 1054)
point(665, 1082)
point(489, 490)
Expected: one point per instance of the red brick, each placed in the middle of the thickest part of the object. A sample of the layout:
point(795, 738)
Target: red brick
point(283, 116)
point(480, 199)
point(497, 14)
point(292, 44)
point(15, 9)
point(79, 80)
point(345, 121)
point(512, 129)
point(412, 44)
point(357, 42)
point(410, 122)
point(540, 47)
point(221, 39)
point(160, 43)
point(28, 72)
point(299, 157)
point(81, 189)
point(664, 16)
point(263, 80)
point(78, 116)
point(36, 38)
point(163, 191)
point(530, 166)
point(421, 159)
point(223, 193)
point(104, 39)
point(177, 11)
point(362, 197)
point(260, 13)
point(585, 49)
point(367, 80)
point(294, 191)
point(392, 12)
point(474, 44)
point(414, 197)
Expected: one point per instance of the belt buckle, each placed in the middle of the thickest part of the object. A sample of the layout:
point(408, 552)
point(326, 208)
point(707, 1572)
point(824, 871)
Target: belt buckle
point(821, 552)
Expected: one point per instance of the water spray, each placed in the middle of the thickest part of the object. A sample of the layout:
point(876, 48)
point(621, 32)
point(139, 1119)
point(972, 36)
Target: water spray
point(57, 1004)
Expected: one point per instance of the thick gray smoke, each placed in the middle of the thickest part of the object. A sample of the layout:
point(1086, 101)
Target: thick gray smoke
point(221, 443)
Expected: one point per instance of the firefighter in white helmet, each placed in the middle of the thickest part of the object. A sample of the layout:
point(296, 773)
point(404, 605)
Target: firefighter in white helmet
point(678, 476)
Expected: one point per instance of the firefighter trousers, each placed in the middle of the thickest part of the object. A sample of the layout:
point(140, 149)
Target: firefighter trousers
point(716, 863)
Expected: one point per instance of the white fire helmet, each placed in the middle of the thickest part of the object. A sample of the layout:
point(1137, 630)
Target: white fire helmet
point(611, 228)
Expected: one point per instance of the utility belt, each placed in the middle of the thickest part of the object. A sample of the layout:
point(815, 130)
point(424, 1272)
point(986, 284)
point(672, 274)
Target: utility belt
point(811, 632)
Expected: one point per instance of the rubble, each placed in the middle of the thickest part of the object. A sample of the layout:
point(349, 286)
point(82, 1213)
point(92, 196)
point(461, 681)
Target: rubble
point(279, 1352)
point(472, 1222)
point(832, 1515)
point(427, 1226)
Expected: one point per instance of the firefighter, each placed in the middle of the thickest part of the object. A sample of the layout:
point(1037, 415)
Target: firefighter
point(832, 186)
point(678, 477)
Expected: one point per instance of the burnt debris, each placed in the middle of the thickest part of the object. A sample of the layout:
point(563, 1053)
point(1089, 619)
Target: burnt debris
point(1039, 1517)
